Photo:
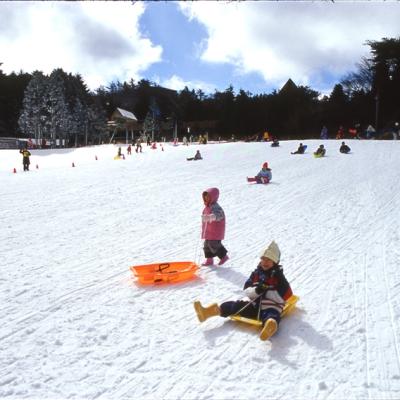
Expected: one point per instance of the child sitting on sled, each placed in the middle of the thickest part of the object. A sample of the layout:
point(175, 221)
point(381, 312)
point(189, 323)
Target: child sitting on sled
point(320, 152)
point(265, 174)
point(267, 289)
point(300, 150)
point(197, 156)
point(213, 228)
point(344, 148)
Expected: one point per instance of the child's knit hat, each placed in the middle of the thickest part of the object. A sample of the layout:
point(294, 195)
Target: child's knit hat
point(272, 252)
point(265, 165)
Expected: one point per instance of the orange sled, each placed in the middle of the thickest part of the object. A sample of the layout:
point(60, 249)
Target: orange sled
point(170, 272)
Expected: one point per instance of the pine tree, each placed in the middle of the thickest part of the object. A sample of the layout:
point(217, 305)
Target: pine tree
point(32, 119)
point(59, 119)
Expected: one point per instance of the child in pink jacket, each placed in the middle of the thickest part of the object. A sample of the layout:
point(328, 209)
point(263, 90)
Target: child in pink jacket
point(213, 228)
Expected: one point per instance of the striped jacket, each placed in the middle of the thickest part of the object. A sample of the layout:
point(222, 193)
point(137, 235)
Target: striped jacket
point(276, 296)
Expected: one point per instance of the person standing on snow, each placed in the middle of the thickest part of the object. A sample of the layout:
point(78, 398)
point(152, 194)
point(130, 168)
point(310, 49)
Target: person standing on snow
point(25, 158)
point(324, 132)
point(213, 228)
point(267, 289)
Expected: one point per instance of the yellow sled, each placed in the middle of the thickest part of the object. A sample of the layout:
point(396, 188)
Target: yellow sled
point(289, 306)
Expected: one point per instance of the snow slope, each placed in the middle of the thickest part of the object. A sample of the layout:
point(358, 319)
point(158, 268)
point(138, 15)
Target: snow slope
point(74, 324)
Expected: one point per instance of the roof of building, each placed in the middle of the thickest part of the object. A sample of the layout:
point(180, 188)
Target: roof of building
point(126, 114)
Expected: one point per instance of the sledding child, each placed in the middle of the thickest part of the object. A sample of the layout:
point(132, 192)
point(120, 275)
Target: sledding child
point(197, 156)
point(300, 150)
point(344, 148)
point(213, 228)
point(275, 142)
point(320, 152)
point(267, 290)
point(265, 174)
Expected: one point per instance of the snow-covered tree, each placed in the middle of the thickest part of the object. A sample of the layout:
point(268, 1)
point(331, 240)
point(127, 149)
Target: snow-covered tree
point(97, 123)
point(32, 120)
point(59, 121)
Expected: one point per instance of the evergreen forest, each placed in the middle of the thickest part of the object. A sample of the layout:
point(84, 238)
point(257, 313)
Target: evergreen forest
point(60, 105)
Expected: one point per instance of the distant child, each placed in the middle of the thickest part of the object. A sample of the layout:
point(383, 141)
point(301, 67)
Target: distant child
point(340, 133)
point(300, 150)
point(25, 158)
point(197, 156)
point(324, 132)
point(344, 148)
point(138, 146)
point(213, 228)
point(129, 150)
point(267, 290)
point(320, 152)
point(265, 174)
point(275, 142)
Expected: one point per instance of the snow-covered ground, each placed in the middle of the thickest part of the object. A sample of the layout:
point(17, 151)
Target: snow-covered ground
point(75, 325)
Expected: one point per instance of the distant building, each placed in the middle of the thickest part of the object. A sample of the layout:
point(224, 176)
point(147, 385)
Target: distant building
point(288, 87)
point(123, 123)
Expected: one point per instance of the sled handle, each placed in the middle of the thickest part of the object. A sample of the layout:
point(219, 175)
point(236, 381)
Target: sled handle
point(161, 267)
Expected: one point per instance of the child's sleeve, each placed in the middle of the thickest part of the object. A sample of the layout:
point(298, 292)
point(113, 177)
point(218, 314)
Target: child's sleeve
point(249, 281)
point(284, 289)
point(218, 212)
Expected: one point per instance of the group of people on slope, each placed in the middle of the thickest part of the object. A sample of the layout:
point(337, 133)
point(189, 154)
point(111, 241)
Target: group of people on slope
point(321, 151)
point(267, 288)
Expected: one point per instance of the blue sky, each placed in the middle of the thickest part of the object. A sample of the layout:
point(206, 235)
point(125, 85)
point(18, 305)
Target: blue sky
point(252, 45)
point(181, 41)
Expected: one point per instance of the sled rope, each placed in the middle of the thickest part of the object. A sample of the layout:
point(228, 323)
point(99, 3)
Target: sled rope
point(250, 302)
point(197, 255)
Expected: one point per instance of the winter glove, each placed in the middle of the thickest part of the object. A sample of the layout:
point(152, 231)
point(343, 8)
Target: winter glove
point(208, 217)
point(261, 288)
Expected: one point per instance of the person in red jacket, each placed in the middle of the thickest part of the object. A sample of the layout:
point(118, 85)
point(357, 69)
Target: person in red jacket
point(213, 228)
point(267, 289)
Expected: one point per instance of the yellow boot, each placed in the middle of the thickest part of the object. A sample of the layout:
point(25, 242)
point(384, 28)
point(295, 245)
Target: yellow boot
point(270, 327)
point(206, 312)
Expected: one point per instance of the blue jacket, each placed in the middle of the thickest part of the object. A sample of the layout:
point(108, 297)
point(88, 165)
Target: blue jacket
point(265, 173)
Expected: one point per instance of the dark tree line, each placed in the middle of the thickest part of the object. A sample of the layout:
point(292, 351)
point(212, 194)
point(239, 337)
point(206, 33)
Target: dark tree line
point(64, 107)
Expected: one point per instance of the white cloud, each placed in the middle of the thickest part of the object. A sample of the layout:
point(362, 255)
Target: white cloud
point(99, 40)
point(177, 83)
point(300, 40)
